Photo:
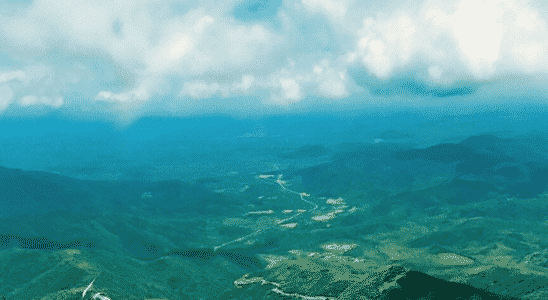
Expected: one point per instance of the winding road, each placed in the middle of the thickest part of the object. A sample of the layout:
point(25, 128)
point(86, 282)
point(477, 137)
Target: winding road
point(281, 183)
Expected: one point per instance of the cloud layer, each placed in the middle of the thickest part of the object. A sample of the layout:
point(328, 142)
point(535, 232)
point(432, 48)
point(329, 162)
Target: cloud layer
point(137, 55)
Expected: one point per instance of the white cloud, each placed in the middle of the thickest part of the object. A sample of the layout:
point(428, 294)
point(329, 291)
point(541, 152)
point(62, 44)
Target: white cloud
point(146, 88)
point(117, 97)
point(286, 86)
point(290, 89)
point(202, 24)
point(333, 88)
point(332, 8)
point(164, 43)
point(204, 51)
point(24, 32)
point(478, 30)
point(169, 54)
point(294, 83)
point(243, 42)
point(6, 96)
point(120, 97)
point(491, 36)
point(201, 89)
point(34, 100)
point(38, 78)
point(525, 39)
point(331, 83)
point(245, 85)
point(7, 76)
point(386, 44)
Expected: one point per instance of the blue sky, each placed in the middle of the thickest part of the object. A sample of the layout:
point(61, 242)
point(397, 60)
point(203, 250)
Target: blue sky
point(126, 59)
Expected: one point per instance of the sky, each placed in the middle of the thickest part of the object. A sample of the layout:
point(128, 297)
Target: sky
point(127, 59)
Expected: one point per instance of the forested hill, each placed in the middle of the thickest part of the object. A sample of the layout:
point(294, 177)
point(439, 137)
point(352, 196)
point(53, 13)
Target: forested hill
point(518, 165)
point(39, 192)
